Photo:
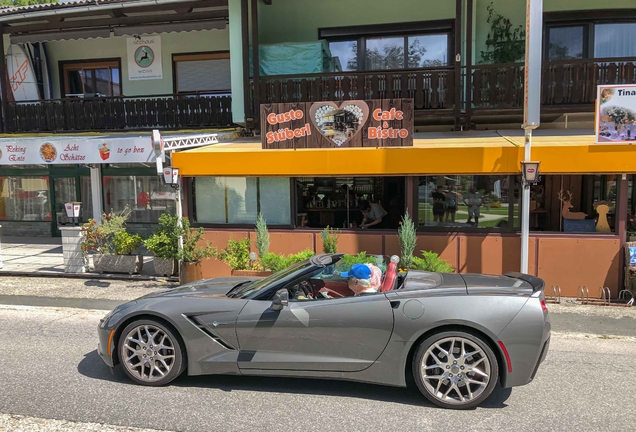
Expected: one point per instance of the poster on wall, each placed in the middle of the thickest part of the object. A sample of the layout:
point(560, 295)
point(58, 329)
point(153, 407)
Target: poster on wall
point(354, 123)
point(81, 151)
point(616, 114)
point(144, 58)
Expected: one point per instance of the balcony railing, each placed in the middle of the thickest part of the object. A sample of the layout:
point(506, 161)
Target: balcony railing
point(565, 84)
point(120, 113)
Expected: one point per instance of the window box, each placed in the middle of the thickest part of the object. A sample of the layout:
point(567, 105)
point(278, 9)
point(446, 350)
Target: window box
point(165, 267)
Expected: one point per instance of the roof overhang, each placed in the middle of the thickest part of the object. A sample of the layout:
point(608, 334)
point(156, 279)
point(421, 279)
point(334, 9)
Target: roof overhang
point(490, 152)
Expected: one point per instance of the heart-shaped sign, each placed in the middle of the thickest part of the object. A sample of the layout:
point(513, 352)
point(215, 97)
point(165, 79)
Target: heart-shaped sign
point(339, 124)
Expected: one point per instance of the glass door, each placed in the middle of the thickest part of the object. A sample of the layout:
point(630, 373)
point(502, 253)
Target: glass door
point(64, 190)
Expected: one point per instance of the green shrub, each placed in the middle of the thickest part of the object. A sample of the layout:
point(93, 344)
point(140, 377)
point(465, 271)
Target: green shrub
point(99, 237)
point(236, 254)
point(262, 236)
point(362, 258)
point(274, 262)
point(431, 262)
point(407, 236)
point(161, 246)
point(192, 252)
point(330, 240)
point(125, 243)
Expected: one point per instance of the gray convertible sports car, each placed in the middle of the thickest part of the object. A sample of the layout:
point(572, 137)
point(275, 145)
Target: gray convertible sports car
point(454, 335)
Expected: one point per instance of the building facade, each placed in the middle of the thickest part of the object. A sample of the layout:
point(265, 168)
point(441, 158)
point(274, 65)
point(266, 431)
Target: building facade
point(460, 180)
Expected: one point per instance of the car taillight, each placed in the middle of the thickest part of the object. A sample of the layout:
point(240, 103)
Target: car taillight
point(544, 306)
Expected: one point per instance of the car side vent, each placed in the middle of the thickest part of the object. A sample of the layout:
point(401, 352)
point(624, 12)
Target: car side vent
point(208, 332)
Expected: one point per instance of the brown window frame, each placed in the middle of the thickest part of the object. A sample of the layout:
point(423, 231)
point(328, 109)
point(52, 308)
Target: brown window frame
point(199, 56)
point(76, 65)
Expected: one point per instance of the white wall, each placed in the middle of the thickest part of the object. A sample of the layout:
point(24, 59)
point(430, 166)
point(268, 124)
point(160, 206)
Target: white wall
point(115, 47)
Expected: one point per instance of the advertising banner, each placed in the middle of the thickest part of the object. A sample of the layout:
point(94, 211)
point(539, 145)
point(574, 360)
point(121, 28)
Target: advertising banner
point(355, 123)
point(616, 114)
point(86, 151)
point(144, 58)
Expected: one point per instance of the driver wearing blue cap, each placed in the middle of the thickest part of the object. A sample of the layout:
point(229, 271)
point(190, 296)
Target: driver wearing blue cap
point(359, 277)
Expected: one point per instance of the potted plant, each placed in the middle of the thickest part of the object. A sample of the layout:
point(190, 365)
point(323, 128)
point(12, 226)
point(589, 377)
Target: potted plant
point(192, 252)
point(431, 262)
point(407, 236)
point(238, 257)
point(330, 240)
point(164, 245)
point(112, 244)
point(275, 262)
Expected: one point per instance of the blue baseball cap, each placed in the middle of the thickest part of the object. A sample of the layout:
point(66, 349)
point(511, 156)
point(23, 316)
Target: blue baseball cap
point(358, 271)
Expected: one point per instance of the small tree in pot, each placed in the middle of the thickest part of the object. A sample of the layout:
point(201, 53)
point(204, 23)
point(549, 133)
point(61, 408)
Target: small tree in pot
point(164, 245)
point(192, 252)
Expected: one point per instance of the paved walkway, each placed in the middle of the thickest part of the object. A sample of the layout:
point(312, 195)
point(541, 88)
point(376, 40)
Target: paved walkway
point(43, 256)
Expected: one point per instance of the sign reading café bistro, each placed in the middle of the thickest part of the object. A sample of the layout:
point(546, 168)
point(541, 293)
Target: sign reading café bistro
point(355, 123)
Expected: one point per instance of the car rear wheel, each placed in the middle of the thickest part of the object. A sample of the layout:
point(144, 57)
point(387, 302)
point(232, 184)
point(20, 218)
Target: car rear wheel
point(150, 353)
point(455, 370)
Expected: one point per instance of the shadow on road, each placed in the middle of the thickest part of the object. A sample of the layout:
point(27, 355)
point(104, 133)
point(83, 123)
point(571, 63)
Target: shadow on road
point(97, 283)
point(92, 366)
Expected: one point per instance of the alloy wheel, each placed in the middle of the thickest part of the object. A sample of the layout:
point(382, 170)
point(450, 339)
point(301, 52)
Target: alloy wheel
point(455, 370)
point(148, 353)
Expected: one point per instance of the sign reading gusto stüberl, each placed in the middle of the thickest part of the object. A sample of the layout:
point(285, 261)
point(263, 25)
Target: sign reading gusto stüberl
point(355, 123)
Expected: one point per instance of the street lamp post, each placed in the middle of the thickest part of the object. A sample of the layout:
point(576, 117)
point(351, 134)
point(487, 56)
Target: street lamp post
point(531, 110)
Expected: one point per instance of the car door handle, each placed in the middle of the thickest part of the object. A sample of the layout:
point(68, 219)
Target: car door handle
point(395, 304)
point(216, 324)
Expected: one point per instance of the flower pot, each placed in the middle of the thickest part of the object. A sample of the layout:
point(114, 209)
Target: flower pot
point(251, 273)
point(190, 272)
point(165, 267)
point(130, 264)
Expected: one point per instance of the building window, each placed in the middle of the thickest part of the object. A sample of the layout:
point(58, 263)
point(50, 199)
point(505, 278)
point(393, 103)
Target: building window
point(146, 196)
point(574, 204)
point(335, 201)
point(466, 201)
point(238, 200)
point(565, 43)
point(25, 199)
point(95, 78)
point(207, 73)
point(615, 40)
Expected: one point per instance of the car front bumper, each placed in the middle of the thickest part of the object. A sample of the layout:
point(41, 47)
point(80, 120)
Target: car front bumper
point(102, 346)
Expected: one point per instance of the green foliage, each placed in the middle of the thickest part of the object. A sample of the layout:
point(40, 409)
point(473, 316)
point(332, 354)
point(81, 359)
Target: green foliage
point(504, 44)
point(192, 251)
point(99, 238)
point(164, 243)
point(275, 262)
point(262, 236)
point(330, 240)
point(361, 258)
point(431, 262)
point(236, 254)
point(17, 3)
point(407, 236)
point(125, 243)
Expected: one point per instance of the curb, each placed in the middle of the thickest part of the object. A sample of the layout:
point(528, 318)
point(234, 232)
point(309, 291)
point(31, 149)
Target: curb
point(122, 277)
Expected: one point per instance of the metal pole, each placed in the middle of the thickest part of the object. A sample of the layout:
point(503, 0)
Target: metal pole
point(531, 109)
point(525, 208)
point(179, 206)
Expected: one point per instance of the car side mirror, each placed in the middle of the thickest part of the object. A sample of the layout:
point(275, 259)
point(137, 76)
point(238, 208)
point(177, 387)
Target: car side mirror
point(280, 300)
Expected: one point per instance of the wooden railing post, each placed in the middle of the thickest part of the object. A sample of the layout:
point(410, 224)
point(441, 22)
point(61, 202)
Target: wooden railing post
point(5, 82)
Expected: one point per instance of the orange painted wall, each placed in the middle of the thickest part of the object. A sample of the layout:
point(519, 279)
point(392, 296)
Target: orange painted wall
point(567, 261)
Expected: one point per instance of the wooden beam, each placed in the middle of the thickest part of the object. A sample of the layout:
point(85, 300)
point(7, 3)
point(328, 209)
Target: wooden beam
point(255, 61)
point(245, 45)
point(458, 65)
point(5, 83)
point(128, 21)
point(469, 60)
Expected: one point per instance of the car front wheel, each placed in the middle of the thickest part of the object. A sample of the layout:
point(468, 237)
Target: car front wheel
point(150, 353)
point(455, 370)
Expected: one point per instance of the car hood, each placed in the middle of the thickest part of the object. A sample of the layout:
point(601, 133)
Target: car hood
point(209, 288)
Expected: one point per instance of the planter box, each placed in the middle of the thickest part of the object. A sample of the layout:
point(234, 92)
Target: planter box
point(130, 264)
point(190, 272)
point(165, 267)
point(251, 273)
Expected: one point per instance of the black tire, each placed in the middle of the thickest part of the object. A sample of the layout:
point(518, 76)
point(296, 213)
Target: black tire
point(177, 365)
point(465, 391)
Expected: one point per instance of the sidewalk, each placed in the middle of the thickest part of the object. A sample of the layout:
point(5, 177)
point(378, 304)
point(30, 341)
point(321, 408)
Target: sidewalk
point(36, 256)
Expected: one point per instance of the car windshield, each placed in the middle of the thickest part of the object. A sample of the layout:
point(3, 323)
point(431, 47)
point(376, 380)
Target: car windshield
point(251, 289)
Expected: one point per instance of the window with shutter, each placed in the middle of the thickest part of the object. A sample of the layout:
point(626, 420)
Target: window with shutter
point(206, 73)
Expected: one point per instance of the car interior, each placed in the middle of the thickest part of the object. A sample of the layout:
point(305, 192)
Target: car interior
point(327, 283)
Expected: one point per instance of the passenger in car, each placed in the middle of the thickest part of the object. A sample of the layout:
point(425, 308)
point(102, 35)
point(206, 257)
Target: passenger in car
point(359, 279)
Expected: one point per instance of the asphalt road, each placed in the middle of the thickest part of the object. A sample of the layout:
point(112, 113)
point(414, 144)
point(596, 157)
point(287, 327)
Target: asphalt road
point(49, 369)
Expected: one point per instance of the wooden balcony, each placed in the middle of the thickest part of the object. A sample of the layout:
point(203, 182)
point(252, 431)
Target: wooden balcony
point(119, 113)
point(487, 90)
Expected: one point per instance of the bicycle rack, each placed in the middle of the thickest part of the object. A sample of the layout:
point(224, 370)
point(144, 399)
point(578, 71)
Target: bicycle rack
point(604, 297)
point(555, 297)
